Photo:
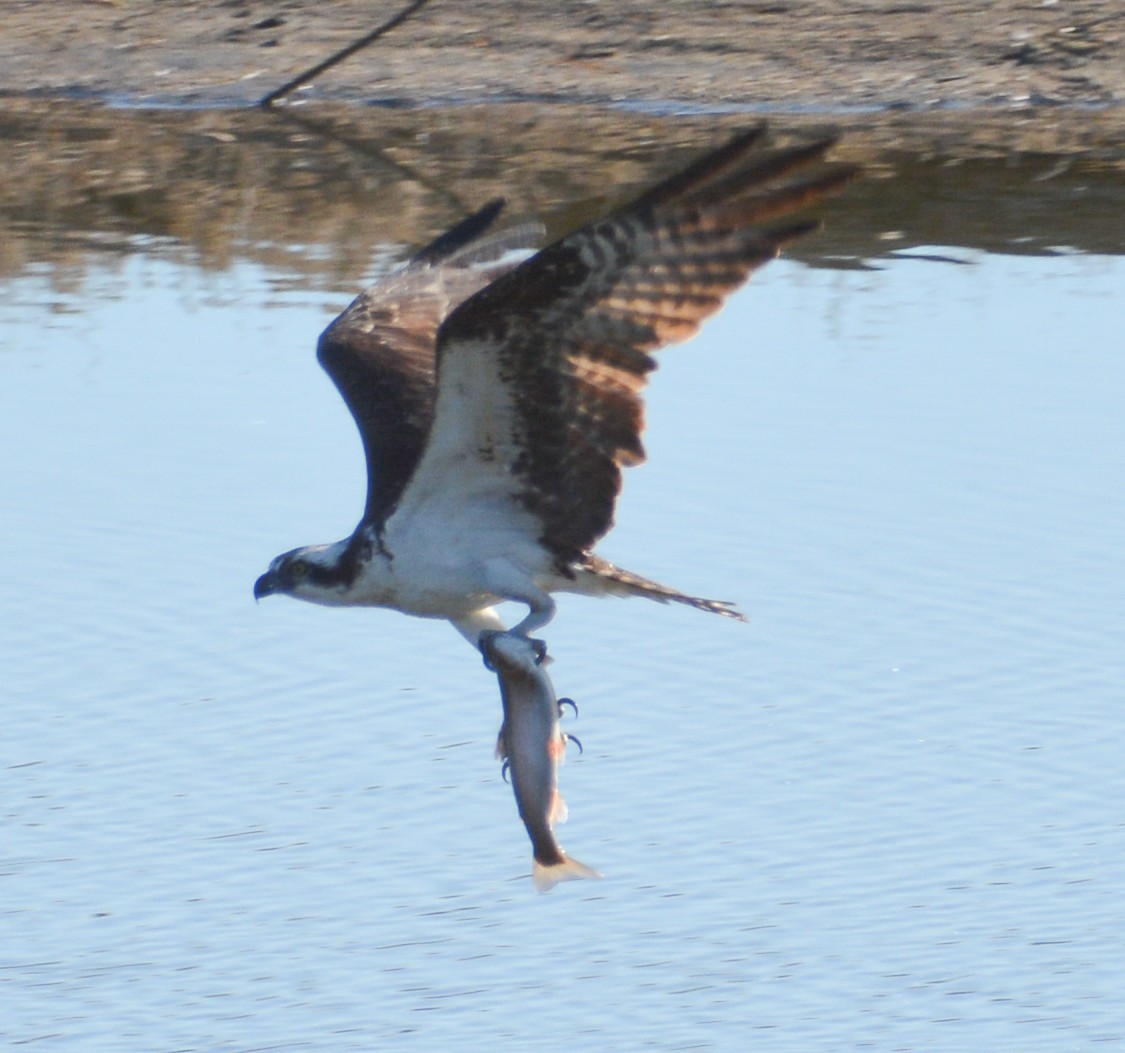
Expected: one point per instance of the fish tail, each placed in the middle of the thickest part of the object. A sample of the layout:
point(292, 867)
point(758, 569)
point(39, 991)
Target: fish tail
point(547, 876)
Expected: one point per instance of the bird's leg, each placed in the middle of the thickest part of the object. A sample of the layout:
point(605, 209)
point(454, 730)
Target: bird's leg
point(487, 640)
point(471, 625)
point(540, 610)
point(509, 583)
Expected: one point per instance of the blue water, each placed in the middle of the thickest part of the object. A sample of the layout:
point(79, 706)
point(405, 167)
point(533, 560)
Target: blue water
point(887, 814)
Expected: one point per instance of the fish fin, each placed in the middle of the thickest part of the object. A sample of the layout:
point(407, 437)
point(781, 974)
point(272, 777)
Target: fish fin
point(547, 877)
point(559, 810)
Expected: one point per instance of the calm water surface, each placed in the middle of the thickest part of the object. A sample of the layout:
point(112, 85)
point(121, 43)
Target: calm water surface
point(886, 814)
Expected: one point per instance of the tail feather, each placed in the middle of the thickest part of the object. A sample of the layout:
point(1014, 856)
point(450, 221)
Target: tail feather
point(627, 583)
point(546, 877)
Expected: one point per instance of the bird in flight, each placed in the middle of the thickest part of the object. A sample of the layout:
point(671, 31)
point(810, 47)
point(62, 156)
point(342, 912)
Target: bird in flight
point(498, 399)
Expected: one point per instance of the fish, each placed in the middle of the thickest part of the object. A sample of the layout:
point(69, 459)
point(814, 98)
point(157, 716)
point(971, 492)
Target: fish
point(532, 745)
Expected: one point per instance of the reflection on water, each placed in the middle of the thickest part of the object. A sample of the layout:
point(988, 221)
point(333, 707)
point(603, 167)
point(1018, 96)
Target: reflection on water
point(311, 196)
point(885, 814)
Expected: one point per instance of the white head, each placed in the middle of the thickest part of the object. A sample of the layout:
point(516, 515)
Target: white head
point(316, 573)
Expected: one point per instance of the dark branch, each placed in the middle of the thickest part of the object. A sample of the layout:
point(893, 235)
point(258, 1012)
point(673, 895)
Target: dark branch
point(351, 49)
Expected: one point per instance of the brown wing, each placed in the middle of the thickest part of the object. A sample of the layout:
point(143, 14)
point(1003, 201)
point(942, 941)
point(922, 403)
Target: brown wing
point(380, 351)
point(567, 334)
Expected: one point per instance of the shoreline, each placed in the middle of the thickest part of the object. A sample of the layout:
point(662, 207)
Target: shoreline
point(119, 118)
point(785, 58)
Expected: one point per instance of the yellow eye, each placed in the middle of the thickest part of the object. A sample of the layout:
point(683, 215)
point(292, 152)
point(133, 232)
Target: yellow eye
point(298, 569)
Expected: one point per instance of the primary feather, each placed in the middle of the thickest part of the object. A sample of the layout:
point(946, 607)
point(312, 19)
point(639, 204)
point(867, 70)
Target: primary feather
point(498, 399)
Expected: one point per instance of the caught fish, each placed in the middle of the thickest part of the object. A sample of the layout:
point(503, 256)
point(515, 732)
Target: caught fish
point(532, 745)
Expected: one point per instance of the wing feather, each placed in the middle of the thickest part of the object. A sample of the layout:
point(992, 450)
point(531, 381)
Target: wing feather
point(381, 350)
point(544, 369)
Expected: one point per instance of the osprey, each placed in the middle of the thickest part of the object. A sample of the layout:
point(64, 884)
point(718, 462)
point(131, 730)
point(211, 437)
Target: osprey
point(499, 399)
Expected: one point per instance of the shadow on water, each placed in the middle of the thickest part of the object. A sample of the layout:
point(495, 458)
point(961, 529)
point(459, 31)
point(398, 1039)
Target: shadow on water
point(317, 194)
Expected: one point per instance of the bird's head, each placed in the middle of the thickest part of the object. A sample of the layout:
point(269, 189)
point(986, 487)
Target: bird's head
point(310, 573)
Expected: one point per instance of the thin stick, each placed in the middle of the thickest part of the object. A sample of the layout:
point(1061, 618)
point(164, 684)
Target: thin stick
point(327, 131)
point(350, 50)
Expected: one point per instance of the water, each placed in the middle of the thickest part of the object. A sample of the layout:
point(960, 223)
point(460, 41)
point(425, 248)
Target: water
point(886, 814)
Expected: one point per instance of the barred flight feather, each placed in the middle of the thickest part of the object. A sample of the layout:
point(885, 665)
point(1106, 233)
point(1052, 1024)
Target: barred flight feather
point(572, 326)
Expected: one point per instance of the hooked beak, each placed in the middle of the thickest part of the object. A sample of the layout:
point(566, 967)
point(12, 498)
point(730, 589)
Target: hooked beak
point(266, 585)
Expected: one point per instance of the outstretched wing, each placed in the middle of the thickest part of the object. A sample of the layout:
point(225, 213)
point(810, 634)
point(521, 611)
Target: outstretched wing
point(381, 350)
point(541, 373)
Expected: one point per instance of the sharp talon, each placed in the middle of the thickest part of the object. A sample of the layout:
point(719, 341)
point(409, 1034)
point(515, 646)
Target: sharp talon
point(575, 740)
point(568, 702)
point(504, 770)
point(540, 649)
point(483, 642)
